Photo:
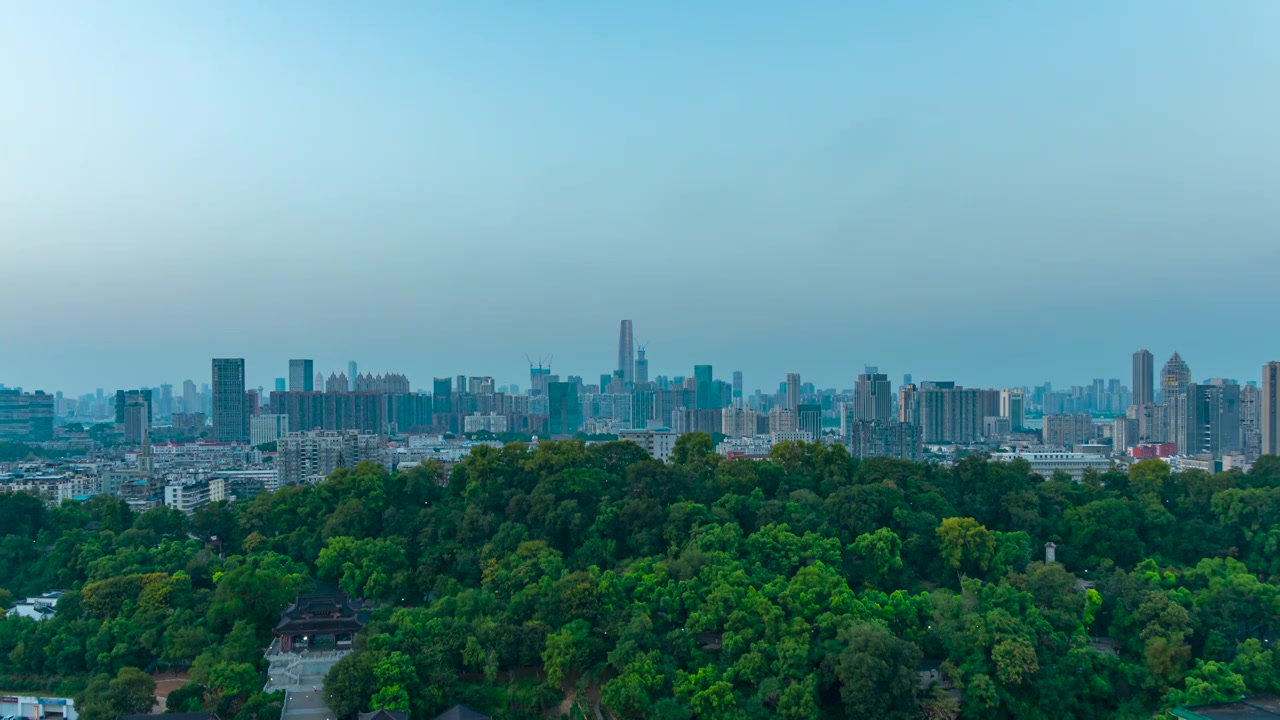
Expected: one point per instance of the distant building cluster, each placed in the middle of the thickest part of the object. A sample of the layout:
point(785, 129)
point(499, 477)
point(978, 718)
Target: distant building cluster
point(225, 441)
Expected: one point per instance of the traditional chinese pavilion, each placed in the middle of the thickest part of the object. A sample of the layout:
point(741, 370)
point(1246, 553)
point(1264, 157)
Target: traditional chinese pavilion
point(320, 621)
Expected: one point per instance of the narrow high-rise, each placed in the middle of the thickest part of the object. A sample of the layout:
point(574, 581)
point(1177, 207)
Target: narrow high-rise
point(351, 375)
point(1271, 408)
point(301, 376)
point(642, 367)
point(1143, 378)
point(626, 353)
point(793, 391)
point(230, 409)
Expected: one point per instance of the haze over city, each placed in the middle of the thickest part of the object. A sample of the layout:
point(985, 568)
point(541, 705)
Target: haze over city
point(994, 193)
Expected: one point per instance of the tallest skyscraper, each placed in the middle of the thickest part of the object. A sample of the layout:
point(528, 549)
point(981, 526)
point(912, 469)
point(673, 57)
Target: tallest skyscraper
point(626, 353)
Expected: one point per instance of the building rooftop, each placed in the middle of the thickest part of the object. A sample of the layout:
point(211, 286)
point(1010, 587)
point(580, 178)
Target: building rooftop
point(1262, 707)
point(461, 712)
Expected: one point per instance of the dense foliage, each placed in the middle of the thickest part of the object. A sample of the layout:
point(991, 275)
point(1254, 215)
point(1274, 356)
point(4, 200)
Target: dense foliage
point(809, 585)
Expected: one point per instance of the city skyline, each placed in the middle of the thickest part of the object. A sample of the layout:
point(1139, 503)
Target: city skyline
point(521, 180)
point(256, 376)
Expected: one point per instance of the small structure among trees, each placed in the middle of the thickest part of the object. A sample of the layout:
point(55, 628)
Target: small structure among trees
point(324, 620)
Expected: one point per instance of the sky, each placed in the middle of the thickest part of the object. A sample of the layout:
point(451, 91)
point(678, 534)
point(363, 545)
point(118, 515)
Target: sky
point(996, 193)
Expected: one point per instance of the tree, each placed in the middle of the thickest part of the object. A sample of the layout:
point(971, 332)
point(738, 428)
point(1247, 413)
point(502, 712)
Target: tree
point(965, 545)
point(188, 698)
point(130, 692)
point(877, 673)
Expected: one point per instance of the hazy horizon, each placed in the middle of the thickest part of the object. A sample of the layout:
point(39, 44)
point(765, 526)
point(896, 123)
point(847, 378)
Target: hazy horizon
point(993, 193)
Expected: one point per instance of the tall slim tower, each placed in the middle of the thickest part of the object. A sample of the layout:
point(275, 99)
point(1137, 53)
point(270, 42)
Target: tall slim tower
point(1271, 408)
point(230, 408)
point(642, 367)
point(793, 391)
point(626, 353)
point(737, 387)
point(1143, 378)
point(351, 376)
point(301, 376)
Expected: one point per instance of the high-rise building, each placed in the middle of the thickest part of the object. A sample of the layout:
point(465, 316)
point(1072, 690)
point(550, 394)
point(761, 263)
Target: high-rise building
point(1067, 431)
point(1012, 406)
point(1124, 433)
point(1217, 417)
point(190, 400)
point(909, 404)
point(166, 400)
point(267, 428)
point(1175, 375)
point(301, 376)
point(136, 417)
point(793, 391)
point(626, 353)
point(737, 387)
point(442, 395)
point(642, 367)
point(26, 417)
point(125, 397)
point(1270, 421)
point(1143, 377)
point(809, 419)
point(872, 398)
point(892, 439)
point(737, 422)
point(311, 456)
point(564, 409)
point(782, 420)
point(230, 409)
point(351, 374)
point(705, 394)
point(282, 385)
point(951, 414)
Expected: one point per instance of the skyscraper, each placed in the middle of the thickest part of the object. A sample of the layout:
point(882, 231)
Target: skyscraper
point(190, 401)
point(626, 353)
point(1143, 378)
point(351, 375)
point(793, 391)
point(230, 410)
point(565, 412)
point(809, 419)
point(872, 398)
point(442, 395)
point(301, 376)
point(642, 367)
point(704, 388)
point(282, 384)
point(737, 387)
point(1271, 408)
point(1175, 375)
point(1012, 406)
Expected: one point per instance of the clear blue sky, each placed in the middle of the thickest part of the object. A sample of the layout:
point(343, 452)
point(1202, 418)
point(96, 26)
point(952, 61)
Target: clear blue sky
point(991, 192)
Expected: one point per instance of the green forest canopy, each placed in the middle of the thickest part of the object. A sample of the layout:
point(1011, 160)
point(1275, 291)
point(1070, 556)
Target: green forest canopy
point(808, 585)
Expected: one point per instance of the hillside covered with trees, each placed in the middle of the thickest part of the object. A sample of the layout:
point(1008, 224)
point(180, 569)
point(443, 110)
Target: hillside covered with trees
point(807, 586)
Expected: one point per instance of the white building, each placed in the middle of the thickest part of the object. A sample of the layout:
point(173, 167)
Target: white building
point(267, 428)
point(33, 706)
point(1047, 463)
point(187, 497)
point(657, 442)
point(791, 436)
point(491, 422)
point(36, 608)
